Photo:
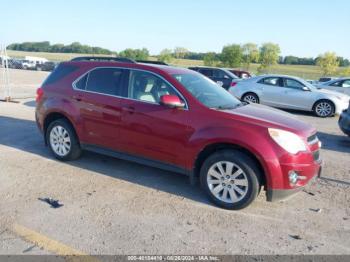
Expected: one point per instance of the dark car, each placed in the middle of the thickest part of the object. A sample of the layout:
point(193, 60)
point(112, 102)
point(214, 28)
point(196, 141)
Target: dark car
point(179, 120)
point(14, 63)
point(344, 121)
point(11, 63)
point(221, 76)
point(240, 73)
point(47, 66)
point(326, 79)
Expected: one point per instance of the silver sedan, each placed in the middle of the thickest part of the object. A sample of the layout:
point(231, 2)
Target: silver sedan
point(290, 93)
point(341, 85)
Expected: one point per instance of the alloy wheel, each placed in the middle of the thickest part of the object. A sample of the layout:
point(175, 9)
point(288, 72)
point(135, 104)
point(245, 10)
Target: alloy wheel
point(323, 109)
point(250, 99)
point(227, 182)
point(60, 141)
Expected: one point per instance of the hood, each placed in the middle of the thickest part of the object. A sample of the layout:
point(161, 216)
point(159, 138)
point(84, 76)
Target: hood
point(331, 92)
point(270, 117)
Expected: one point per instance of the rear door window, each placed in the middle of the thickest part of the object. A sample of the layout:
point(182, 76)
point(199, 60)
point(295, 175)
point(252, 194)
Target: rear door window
point(337, 83)
point(271, 81)
point(81, 83)
point(105, 81)
point(219, 74)
point(346, 83)
point(207, 72)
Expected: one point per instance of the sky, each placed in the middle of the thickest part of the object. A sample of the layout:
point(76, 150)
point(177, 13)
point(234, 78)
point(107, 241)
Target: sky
point(301, 27)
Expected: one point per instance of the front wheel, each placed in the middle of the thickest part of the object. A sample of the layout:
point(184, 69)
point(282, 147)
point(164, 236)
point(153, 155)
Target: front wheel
point(324, 108)
point(231, 179)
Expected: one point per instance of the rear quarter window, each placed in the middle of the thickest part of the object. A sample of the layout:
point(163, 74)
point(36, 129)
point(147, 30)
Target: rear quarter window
point(60, 72)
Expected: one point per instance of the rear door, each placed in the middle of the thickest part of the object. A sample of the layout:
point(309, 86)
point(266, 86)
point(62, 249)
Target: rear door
point(271, 89)
point(98, 97)
point(151, 130)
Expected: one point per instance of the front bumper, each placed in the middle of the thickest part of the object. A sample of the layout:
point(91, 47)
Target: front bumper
point(341, 106)
point(344, 122)
point(273, 195)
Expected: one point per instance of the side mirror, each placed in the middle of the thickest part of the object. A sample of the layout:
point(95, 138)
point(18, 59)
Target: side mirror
point(171, 101)
point(306, 88)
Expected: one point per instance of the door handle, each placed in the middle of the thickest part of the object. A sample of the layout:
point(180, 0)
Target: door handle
point(77, 98)
point(129, 109)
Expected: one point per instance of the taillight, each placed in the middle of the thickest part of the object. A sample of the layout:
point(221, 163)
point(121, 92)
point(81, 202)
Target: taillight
point(233, 84)
point(39, 94)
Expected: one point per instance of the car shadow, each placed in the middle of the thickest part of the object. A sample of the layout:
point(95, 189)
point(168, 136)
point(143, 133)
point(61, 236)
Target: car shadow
point(30, 103)
point(298, 112)
point(28, 138)
point(339, 143)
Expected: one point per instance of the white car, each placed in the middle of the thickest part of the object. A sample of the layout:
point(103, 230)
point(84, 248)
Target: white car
point(290, 93)
point(340, 85)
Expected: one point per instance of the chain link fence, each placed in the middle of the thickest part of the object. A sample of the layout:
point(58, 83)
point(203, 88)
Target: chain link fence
point(19, 78)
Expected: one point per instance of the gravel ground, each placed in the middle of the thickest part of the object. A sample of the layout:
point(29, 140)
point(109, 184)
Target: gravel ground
point(112, 206)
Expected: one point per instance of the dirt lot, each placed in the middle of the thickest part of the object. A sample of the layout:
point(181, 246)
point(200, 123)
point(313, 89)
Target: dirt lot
point(112, 206)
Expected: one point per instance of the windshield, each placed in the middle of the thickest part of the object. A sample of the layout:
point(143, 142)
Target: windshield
point(207, 92)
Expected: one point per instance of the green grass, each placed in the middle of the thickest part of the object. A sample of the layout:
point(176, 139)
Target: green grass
point(306, 72)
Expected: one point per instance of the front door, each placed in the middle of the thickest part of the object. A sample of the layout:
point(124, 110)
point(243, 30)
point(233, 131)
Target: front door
point(151, 130)
point(294, 97)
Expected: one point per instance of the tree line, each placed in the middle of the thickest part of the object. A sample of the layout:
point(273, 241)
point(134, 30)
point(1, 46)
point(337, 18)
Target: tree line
point(233, 55)
point(45, 46)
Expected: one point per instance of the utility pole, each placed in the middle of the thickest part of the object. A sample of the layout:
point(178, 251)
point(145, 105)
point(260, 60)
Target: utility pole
point(5, 74)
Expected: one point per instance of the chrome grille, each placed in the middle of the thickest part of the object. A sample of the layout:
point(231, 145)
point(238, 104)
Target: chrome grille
point(316, 155)
point(312, 139)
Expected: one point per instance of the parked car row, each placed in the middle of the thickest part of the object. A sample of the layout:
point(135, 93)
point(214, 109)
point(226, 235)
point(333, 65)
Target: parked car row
point(341, 85)
point(290, 93)
point(179, 120)
point(284, 92)
point(26, 64)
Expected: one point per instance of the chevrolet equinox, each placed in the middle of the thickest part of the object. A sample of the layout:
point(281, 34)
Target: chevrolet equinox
point(179, 120)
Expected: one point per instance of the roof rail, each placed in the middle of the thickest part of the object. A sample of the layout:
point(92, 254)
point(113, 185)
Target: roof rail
point(151, 62)
point(104, 58)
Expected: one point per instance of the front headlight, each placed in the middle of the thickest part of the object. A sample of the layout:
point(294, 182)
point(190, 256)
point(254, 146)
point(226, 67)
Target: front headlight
point(289, 141)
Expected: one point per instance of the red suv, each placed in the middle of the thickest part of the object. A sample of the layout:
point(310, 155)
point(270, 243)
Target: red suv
point(179, 120)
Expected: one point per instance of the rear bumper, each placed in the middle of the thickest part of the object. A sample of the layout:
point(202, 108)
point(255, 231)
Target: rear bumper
point(344, 122)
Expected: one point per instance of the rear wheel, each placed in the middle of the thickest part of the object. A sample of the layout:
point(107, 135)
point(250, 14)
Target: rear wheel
point(230, 179)
point(62, 140)
point(324, 108)
point(250, 98)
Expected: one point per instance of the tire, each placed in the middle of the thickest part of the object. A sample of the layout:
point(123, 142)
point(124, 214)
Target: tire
point(324, 108)
point(250, 98)
point(247, 179)
point(62, 140)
